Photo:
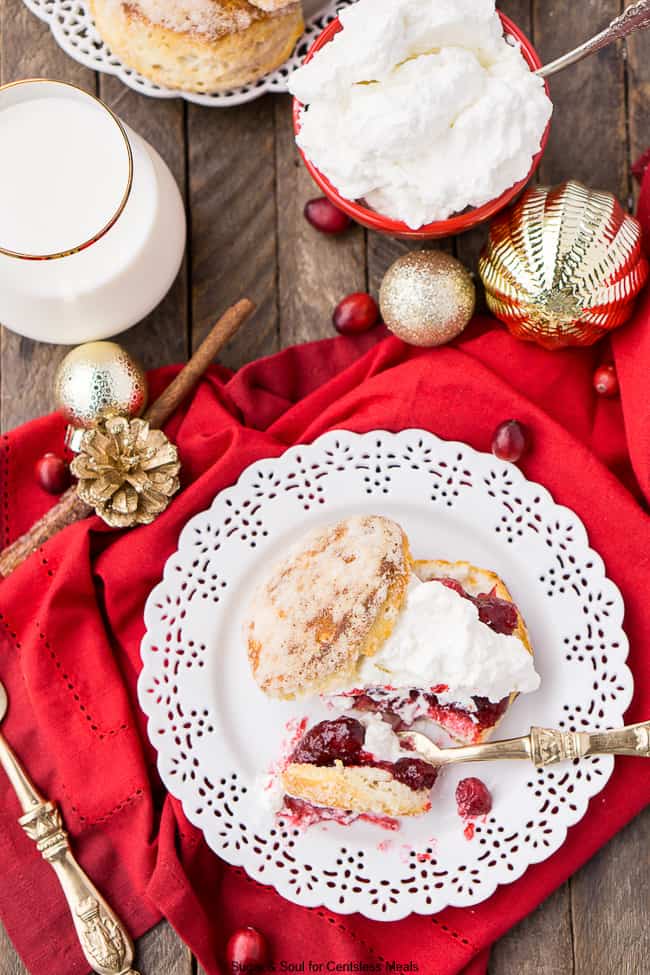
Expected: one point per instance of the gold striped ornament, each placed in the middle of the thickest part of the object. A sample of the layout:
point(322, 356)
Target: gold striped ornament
point(563, 266)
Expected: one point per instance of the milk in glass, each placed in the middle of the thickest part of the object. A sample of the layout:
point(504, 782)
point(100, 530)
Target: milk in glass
point(92, 225)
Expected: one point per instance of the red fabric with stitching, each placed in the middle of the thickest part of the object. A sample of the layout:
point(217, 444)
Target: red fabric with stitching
point(72, 623)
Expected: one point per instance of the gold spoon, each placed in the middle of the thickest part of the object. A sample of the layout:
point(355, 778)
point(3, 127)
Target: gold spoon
point(543, 746)
point(102, 936)
point(635, 17)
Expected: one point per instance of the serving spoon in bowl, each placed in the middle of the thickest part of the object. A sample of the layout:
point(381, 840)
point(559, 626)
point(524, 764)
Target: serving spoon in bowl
point(635, 17)
point(543, 746)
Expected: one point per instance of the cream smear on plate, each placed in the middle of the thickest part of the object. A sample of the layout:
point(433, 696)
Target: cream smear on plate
point(422, 108)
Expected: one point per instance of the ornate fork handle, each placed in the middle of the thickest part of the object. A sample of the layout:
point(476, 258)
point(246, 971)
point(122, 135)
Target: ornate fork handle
point(102, 936)
point(542, 746)
point(548, 746)
point(635, 17)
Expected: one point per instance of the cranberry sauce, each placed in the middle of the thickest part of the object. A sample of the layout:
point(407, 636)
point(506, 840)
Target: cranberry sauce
point(463, 724)
point(499, 614)
point(415, 773)
point(342, 740)
point(331, 740)
point(302, 814)
point(466, 725)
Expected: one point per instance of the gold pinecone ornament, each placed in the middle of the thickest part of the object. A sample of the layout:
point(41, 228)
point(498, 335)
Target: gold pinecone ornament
point(127, 472)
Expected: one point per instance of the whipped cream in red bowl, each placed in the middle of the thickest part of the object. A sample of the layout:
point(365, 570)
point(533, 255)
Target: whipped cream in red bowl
point(419, 119)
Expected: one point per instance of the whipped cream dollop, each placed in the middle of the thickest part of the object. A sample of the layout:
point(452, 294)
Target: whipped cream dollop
point(422, 108)
point(381, 741)
point(439, 640)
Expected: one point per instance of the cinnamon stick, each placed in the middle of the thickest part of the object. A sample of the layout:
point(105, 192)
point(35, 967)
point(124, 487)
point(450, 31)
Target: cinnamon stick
point(70, 508)
point(218, 336)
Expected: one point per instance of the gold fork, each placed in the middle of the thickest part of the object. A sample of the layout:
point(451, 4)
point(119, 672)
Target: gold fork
point(102, 936)
point(542, 746)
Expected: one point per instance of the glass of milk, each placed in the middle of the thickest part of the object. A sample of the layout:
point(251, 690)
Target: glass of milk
point(92, 225)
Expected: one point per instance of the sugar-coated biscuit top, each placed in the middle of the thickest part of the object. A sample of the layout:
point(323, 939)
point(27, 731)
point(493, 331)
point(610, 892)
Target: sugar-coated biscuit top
point(333, 598)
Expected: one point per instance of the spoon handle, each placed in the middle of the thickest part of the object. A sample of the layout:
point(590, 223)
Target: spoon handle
point(635, 17)
point(104, 941)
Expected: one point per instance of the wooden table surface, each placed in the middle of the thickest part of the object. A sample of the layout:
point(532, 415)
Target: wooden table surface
point(245, 190)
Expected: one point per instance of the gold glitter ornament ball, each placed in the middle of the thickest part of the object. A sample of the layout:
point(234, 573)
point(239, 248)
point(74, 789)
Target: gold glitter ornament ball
point(427, 298)
point(97, 380)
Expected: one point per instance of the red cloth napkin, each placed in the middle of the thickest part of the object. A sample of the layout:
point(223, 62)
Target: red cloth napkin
point(72, 623)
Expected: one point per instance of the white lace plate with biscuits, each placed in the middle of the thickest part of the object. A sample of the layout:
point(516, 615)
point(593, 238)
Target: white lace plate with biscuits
point(217, 734)
point(73, 28)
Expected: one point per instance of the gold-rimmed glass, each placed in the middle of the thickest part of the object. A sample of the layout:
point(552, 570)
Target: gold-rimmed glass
point(24, 90)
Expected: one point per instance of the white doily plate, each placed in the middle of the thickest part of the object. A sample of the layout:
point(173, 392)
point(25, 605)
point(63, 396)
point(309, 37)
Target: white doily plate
point(74, 30)
point(216, 733)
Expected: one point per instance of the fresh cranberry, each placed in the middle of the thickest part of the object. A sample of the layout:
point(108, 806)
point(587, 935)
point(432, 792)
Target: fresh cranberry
point(324, 216)
point(606, 380)
point(415, 773)
point(331, 740)
point(247, 950)
point(356, 313)
point(52, 473)
point(509, 440)
point(473, 798)
point(499, 614)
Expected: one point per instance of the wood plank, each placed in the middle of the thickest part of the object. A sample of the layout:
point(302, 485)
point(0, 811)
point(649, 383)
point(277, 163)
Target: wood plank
point(588, 130)
point(638, 80)
point(161, 952)
point(27, 367)
point(315, 271)
point(610, 905)
point(538, 945)
point(10, 963)
point(621, 868)
point(470, 244)
point(588, 142)
point(615, 926)
point(233, 250)
point(382, 252)
point(620, 917)
point(163, 336)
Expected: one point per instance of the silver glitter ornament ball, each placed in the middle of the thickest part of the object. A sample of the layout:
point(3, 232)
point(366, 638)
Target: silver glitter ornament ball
point(96, 380)
point(427, 297)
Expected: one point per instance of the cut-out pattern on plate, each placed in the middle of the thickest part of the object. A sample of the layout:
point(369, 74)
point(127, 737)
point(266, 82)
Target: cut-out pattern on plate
point(216, 733)
point(74, 30)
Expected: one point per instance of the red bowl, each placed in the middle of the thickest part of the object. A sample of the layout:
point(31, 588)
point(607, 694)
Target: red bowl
point(440, 228)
